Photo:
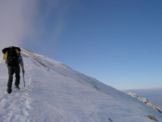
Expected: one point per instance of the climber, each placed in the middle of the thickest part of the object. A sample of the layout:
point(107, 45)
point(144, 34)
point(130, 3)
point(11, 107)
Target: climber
point(13, 59)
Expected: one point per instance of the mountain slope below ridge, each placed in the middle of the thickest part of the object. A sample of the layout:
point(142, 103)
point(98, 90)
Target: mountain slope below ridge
point(56, 93)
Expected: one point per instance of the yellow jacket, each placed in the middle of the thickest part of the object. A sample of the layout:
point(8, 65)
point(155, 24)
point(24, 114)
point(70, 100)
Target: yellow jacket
point(5, 55)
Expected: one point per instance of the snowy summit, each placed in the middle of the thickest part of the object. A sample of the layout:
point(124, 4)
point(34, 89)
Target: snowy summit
point(56, 93)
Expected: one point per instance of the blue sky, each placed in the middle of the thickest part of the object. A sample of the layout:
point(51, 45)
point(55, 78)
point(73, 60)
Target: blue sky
point(116, 41)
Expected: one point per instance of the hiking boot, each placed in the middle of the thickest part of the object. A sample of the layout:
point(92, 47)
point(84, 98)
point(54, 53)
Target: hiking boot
point(9, 90)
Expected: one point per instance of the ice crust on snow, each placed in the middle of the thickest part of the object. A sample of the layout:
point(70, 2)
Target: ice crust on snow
point(56, 93)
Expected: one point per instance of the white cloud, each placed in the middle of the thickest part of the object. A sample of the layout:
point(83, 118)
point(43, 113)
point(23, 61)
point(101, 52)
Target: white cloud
point(21, 19)
point(16, 18)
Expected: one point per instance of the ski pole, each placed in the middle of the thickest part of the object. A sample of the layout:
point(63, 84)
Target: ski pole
point(24, 78)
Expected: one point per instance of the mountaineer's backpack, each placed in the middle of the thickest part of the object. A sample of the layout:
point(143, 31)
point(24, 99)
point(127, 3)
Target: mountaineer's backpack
point(11, 55)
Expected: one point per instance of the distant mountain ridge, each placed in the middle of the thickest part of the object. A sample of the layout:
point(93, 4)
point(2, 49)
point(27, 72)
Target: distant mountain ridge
point(154, 95)
point(146, 101)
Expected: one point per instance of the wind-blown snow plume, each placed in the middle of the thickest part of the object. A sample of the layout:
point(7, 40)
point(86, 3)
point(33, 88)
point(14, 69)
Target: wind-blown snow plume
point(24, 20)
point(16, 18)
point(54, 12)
point(50, 22)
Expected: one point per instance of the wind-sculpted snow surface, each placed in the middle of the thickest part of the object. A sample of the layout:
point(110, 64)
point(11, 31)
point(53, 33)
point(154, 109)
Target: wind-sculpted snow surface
point(56, 93)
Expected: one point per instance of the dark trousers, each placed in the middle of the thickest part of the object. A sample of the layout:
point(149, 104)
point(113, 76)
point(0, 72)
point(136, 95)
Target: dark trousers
point(11, 71)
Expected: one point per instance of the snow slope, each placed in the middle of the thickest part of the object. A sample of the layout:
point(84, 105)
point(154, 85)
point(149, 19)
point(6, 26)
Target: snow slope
point(56, 93)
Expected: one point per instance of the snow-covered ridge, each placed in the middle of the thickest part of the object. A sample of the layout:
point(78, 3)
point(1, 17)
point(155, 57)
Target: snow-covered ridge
point(55, 92)
point(67, 71)
point(146, 101)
